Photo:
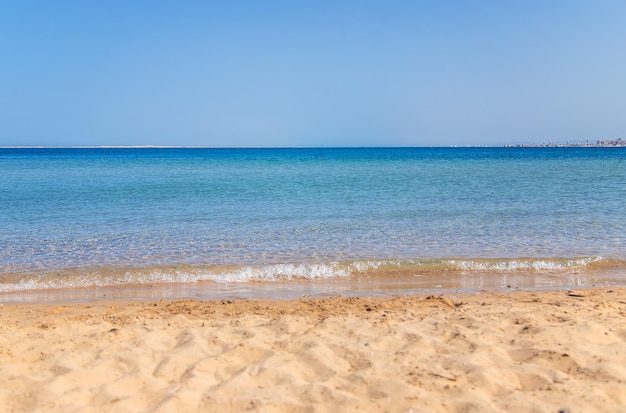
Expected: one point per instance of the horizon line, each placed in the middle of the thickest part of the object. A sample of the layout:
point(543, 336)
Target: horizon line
point(232, 147)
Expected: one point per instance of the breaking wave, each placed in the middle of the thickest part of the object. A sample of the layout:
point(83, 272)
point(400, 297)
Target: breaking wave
point(115, 276)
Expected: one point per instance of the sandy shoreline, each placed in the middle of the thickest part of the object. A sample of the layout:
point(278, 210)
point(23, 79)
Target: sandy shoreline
point(523, 351)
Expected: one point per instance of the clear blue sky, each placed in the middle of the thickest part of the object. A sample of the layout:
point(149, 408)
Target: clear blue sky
point(294, 73)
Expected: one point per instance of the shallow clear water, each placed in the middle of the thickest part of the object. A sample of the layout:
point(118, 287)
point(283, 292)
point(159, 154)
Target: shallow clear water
point(261, 208)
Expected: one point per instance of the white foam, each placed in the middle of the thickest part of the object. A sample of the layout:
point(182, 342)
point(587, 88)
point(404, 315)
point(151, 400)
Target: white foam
point(266, 273)
point(278, 272)
point(523, 265)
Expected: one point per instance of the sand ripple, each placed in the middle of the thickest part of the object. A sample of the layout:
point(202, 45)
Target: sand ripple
point(516, 352)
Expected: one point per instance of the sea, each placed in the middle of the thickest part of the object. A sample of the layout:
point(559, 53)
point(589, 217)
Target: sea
point(217, 223)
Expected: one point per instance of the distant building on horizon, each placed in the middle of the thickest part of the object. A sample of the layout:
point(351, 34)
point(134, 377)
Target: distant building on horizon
point(600, 143)
point(613, 142)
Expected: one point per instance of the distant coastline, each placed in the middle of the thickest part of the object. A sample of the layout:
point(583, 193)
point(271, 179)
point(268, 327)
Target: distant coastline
point(608, 143)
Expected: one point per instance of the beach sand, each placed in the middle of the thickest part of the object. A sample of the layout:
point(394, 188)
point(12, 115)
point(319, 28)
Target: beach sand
point(522, 351)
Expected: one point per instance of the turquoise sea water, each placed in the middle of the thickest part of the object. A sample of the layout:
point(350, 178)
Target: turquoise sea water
point(86, 217)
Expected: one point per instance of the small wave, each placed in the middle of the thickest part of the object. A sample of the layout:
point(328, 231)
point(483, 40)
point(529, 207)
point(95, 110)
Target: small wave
point(280, 272)
point(116, 277)
point(524, 264)
point(184, 274)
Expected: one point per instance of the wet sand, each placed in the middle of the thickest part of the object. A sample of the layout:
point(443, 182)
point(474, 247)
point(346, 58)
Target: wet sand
point(521, 351)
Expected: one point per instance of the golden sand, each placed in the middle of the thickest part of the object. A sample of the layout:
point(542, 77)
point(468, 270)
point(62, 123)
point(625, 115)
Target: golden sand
point(545, 351)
